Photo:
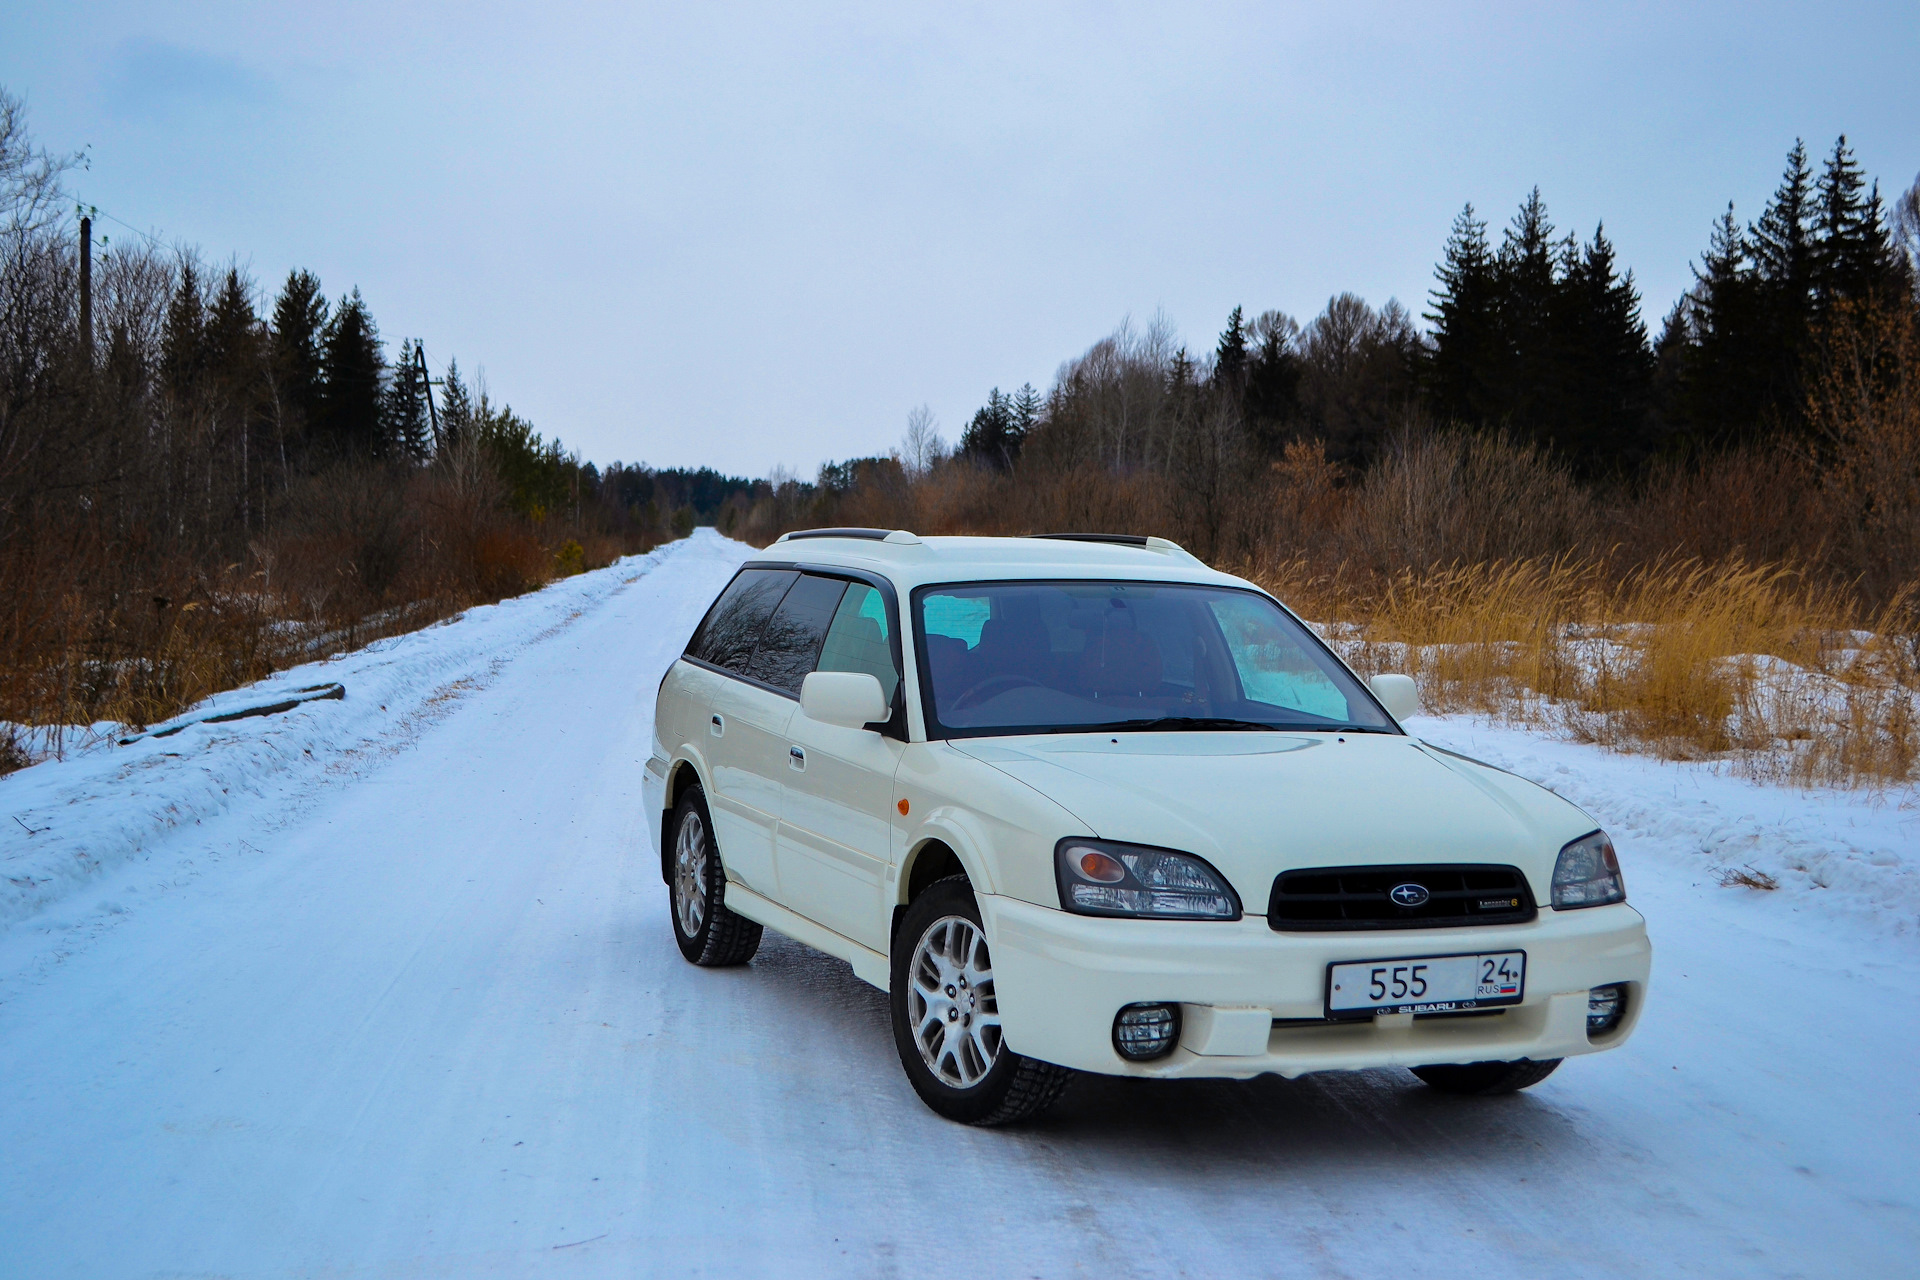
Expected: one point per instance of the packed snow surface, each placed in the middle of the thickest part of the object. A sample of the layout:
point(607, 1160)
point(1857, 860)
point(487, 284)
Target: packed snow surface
point(385, 987)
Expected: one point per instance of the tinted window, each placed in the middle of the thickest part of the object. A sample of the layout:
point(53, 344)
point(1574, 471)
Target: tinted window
point(791, 639)
point(732, 627)
point(858, 640)
point(1067, 656)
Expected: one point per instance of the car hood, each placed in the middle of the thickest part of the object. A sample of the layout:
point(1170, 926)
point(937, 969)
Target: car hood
point(1256, 804)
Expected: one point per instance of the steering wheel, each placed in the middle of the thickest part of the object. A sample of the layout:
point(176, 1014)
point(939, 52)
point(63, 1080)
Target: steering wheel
point(1012, 680)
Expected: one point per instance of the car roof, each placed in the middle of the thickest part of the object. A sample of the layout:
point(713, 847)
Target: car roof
point(911, 561)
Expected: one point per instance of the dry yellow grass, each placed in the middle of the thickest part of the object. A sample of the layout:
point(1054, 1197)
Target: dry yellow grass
point(1754, 665)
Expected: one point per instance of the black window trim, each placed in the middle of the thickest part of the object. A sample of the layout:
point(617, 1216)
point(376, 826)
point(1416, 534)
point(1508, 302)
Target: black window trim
point(938, 732)
point(895, 726)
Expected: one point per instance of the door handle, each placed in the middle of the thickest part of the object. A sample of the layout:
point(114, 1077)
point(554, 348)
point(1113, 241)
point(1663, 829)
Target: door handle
point(796, 759)
point(719, 726)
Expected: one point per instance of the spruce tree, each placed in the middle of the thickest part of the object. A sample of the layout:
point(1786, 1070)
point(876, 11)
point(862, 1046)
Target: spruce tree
point(1844, 265)
point(231, 331)
point(992, 437)
point(1599, 411)
point(405, 410)
point(1525, 359)
point(1466, 339)
point(1230, 357)
point(183, 337)
point(1781, 244)
point(1854, 257)
point(1272, 398)
point(456, 410)
point(1721, 402)
point(1026, 413)
point(299, 325)
point(1782, 247)
point(352, 379)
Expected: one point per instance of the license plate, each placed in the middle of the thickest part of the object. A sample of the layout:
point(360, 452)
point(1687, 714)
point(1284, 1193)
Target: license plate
point(1426, 984)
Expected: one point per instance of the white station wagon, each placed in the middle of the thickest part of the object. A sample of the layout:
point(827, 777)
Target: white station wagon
point(1081, 803)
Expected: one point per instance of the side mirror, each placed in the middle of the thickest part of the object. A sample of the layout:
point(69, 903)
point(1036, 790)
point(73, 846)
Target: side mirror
point(851, 699)
point(1397, 694)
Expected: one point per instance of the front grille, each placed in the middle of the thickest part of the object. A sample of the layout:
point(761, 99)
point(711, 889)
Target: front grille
point(1320, 899)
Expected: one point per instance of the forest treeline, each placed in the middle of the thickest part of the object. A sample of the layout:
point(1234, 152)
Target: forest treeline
point(1775, 416)
point(202, 481)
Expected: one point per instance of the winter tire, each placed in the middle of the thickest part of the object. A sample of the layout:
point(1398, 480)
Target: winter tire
point(1486, 1079)
point(707, 932)
point(946, 1017)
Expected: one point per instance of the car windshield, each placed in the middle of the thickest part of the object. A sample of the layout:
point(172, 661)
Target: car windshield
point(1073, 657)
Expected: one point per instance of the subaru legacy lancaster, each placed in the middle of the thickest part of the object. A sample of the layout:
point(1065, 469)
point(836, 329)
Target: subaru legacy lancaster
point(1082, 803)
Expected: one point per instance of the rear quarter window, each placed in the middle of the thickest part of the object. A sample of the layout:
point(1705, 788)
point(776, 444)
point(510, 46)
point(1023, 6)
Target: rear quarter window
point(730, 632)
point(790, 641)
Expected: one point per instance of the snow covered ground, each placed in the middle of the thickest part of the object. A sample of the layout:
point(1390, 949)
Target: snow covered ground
point(385, 987)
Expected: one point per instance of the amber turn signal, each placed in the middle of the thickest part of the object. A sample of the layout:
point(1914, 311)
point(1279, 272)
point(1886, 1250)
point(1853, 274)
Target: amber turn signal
point(902, 806)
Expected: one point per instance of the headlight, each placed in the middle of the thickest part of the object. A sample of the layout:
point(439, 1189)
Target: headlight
point(1588, 874)
point(1102, 878)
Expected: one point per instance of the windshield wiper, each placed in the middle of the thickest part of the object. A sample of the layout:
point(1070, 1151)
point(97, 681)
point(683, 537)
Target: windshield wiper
point(1205, 723)
point(1178, 722)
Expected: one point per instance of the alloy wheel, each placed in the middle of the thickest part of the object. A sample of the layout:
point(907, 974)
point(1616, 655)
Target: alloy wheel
point(690, 874)
point(951, 1003)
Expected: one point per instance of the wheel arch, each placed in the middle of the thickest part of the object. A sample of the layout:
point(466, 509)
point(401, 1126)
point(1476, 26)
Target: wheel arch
point(935, 856)
point(682, 774)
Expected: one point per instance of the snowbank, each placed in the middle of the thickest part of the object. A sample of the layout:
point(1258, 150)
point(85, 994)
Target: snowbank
point(1852, 854)
point(66, 822)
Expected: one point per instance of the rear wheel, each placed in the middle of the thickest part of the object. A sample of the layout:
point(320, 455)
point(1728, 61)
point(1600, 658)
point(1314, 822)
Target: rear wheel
point(946, 1016)
point(1486, 1079)
point(707, 932)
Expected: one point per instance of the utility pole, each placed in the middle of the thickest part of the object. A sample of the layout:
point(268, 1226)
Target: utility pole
point(86, 289)
point(433, 414)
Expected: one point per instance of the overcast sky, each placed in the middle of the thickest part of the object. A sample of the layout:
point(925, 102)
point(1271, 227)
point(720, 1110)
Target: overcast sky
point(754, 235)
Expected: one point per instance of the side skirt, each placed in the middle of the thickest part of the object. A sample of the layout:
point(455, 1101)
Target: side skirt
point(868, 965)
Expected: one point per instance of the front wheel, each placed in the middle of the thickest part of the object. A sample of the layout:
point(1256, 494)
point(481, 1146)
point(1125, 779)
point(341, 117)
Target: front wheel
point(946, 1016)
point(1486, 1079)
point(707, 932)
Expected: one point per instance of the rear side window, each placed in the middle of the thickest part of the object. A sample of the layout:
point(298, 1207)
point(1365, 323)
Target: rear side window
point(790, 642)
point(858, 639)
point(731, 630)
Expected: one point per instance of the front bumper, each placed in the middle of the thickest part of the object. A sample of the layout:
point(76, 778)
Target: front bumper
point(1061, 978)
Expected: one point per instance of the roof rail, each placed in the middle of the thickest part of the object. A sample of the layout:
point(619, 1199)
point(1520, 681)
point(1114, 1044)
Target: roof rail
point(1165, 546)
point(1125, 539)
point(870, 535)
point(899, 537)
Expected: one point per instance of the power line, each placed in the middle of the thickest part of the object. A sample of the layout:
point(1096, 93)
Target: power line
point(94, 211)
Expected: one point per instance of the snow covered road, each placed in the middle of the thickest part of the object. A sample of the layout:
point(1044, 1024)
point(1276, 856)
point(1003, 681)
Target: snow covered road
point(418, 1012)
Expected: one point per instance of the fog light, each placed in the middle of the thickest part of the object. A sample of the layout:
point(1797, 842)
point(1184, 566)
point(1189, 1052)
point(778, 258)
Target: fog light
point(1605, 1007)
point(1143, 1032)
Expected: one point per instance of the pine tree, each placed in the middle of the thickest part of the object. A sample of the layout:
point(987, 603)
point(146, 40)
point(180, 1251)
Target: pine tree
point(352, 379)
point(1465, 319)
